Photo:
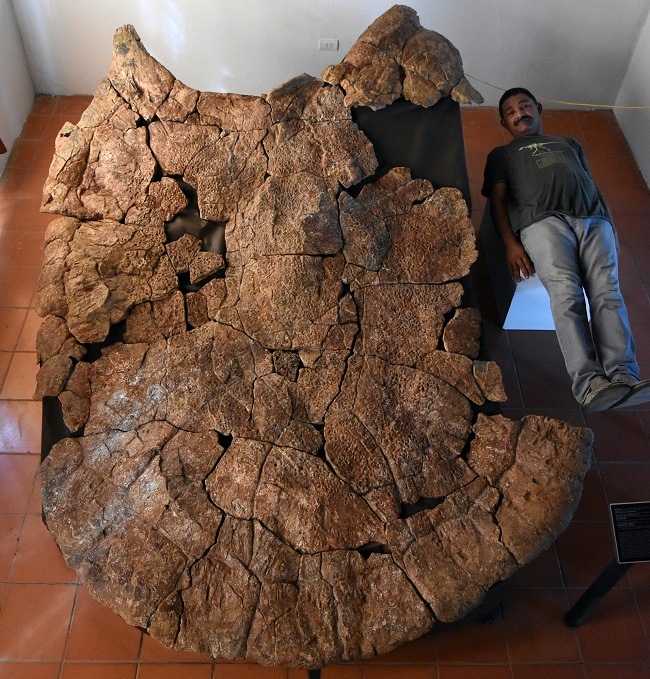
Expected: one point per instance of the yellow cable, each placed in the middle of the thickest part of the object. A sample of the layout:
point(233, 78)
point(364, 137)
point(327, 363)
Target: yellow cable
point(559, 101)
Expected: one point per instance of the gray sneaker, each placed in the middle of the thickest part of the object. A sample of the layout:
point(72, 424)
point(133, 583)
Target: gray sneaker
point(639, 390)
point(603, 395)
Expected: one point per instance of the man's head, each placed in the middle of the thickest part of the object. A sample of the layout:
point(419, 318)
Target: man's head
point(520, 112)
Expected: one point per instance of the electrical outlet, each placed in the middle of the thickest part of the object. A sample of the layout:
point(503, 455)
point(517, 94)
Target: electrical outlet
point(328, 44)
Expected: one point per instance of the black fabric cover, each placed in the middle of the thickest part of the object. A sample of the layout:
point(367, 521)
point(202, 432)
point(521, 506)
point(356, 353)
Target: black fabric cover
point(429, 141)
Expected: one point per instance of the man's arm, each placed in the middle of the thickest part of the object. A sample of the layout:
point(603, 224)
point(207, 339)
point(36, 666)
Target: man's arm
point(519, 263)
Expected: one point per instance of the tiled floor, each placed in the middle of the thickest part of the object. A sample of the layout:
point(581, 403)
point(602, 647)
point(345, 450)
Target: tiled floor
point(51, 629)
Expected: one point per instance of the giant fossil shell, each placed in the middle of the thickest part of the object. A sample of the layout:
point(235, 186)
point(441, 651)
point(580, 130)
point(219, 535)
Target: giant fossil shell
point(277, 451)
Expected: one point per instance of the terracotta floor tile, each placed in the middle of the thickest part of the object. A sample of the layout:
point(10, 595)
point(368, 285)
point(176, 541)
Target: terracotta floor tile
point(18, 285)
point(642, 596)
point(27, 216)
point(511, 384)
point(422, 650)
point(72, 105)
point(34, 127)
point(619, 436)
point(99, 671)
point(584, 549)
point(495, 342)
point(556, 671)
point(38, 558)
point(474, 672)
point(34, 621)
point(530, 344)
point(17, 474)
point(11, 323)
point(45, 152)
point(21, 248)
point(628, 482)
point(57, 121)
point(640, 577)
point(5, 360)
point(632, 227)
point(473, 643)
point(641, 331)
point(29, 670)
point(597, 120)
point(6, 208)
point(20, 382)
point(544, 385)
point(44, 104)
point(342, 672)
point(11, 181)
point(176, 671)
point(627, 268)
point(32, 186)
point(593, 503)
point(20, 426)
point(535, 628)
point(247, 671)
point(475, 161)
point(618, 671)
point(627, 198)
point(35, 506)
point(27, 339)
point(636, 299)
point(602, 141)
point(613, 631)
point(22, 154)
point(622, 171)
point(563, 122)
point(481, 140)
point(543, 571)
point(641, 256)
point(479, 116)
point(398, 672)
point(151, 650)
point(99, 634)
point(10, 527)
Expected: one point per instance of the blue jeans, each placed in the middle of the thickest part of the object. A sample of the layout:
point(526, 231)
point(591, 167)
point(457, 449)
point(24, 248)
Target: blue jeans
point(569, 254)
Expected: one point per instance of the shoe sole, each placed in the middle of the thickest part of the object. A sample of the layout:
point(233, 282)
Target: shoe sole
point(636, 397)
point(610, 397)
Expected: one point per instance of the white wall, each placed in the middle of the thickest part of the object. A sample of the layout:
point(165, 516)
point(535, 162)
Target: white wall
point(17, 91)
point(577, 50)
point(635, 91)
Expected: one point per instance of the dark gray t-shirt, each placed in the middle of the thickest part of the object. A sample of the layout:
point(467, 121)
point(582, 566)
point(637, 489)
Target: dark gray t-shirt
point(546, 175)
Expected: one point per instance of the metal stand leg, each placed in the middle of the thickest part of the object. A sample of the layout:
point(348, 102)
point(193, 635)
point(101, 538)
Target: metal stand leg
point(578, 613)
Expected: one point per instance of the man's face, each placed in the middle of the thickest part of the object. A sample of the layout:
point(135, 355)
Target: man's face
point(522, 117)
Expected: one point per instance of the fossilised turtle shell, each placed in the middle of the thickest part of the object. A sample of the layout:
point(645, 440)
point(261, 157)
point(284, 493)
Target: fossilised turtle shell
point(280, 457)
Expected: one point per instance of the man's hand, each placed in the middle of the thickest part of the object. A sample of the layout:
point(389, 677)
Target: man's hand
point(517, 258)
point(519, 263)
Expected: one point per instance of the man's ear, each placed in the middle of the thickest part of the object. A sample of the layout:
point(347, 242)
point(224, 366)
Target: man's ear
point(539, 108)
point(503, 123)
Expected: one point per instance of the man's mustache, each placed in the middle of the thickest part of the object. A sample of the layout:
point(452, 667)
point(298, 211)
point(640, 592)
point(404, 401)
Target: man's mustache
point(523, 117)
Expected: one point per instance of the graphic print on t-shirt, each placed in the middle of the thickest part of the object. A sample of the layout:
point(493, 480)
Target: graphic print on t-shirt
point(545, 156)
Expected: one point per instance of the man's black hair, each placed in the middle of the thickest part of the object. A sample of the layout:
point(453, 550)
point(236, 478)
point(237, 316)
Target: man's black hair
point(511, 93)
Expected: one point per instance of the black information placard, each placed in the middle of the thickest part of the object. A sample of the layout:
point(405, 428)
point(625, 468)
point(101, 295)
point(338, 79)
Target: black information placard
point(631, 524)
